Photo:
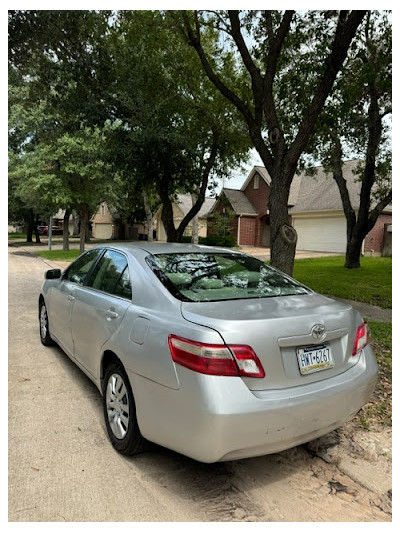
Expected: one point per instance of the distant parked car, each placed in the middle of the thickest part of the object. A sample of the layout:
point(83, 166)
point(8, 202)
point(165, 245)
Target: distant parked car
point(41, 229)
point(56, 230)
point(207, 351)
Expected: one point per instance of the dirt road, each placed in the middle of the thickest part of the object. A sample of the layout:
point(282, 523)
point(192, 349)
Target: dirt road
point(62, 467)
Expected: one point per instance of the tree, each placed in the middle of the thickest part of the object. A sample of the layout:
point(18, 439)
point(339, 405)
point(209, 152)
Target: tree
point(266, 43)
point(59, 152)
point(179, 130)
point(24, 121)
point(67, 172)
point(355, 124)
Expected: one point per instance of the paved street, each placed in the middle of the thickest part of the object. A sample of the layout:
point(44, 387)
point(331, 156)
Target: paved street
point(62, 467)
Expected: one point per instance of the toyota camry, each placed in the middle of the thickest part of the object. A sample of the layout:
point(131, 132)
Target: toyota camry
point(207, 351)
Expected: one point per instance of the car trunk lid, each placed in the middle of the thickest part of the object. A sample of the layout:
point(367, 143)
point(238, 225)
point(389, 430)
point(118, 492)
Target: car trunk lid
point(290, 335)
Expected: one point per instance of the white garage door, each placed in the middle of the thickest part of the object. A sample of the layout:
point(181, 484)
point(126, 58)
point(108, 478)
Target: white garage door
point(102, 231)
point(324, 234)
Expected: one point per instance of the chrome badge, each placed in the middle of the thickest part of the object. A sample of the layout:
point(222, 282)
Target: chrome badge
point(318, 332)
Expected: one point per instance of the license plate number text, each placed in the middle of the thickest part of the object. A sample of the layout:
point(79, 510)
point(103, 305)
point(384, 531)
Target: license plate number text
point(314, 358)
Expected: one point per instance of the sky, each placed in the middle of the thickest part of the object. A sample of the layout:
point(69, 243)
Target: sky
point(239, 176)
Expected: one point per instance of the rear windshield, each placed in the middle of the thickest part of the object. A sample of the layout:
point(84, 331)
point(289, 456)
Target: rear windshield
point(210, 277)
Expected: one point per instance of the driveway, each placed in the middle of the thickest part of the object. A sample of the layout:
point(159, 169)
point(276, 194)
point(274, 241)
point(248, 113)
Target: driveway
point(265, 253)
point(62, 467)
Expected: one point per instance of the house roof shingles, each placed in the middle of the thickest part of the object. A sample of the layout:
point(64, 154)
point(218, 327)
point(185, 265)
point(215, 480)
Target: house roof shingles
point(239, 202)
point(184, 202)
point(321, 193)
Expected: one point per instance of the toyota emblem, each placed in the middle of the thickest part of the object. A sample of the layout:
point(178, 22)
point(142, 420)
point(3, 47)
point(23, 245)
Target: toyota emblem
point(318, 332)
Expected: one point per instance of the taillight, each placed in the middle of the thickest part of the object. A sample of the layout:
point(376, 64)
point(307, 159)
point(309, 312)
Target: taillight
point(215, 359)
point(362, 338)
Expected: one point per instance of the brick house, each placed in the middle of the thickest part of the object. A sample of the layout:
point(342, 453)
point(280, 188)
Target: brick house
point(315, 210)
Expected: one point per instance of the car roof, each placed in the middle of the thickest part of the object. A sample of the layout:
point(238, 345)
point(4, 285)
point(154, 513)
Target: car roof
point(155, 248)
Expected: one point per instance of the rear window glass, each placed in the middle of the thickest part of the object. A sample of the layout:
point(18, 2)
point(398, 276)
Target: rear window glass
point(209, 277)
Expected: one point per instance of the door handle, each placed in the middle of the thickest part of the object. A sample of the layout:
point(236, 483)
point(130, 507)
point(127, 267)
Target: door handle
point(111, 313)
point(70, 298)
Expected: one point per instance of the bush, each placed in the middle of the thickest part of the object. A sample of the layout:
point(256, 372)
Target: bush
point(218, 240)
point(226, 241)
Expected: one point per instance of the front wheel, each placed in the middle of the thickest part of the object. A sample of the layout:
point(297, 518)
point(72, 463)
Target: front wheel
point(44, 331)
point(120, 412)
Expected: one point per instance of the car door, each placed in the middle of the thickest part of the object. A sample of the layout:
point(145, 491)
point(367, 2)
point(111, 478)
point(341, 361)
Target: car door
point(99, 308)
point(63, 297)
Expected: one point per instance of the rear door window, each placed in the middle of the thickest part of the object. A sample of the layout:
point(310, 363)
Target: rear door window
point(111, 275)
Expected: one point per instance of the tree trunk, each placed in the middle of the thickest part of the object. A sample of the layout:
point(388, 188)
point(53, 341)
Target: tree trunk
point(66, 229)
point(37, 236)
point(87, 228)
point(167, 218)
point(195, 222)
point(283, 235)
point(149, 216)
point(83, 217)
point(353, 252)
point(167, 213)
point(30, 223)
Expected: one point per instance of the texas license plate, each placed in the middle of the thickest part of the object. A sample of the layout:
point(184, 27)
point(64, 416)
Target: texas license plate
point(314, 358)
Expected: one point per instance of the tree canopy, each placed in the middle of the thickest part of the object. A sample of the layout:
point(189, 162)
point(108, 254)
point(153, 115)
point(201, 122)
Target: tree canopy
point(167, 127)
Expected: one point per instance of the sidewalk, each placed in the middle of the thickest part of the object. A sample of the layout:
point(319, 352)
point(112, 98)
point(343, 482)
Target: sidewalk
point(369, 312)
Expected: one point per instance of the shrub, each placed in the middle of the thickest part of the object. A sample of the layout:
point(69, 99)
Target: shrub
point(218, 240)
point(226, 241)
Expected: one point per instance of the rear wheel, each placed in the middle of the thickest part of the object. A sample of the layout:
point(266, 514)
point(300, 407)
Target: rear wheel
point(120, 412)
point(44, 325)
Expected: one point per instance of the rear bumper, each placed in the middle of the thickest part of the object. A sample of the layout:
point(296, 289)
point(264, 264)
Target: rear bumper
point(212, 418)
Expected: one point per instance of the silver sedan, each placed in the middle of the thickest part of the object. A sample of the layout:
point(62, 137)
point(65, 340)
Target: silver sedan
point(207, 351)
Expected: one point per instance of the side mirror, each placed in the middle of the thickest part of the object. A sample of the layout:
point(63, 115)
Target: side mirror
point(54, 273)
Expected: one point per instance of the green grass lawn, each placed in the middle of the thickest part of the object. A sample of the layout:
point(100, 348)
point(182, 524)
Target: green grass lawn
point(59, 255)
point(372, 283)
point(17, 235)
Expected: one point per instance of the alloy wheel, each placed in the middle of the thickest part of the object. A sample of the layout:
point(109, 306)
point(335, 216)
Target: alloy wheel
point(43, 321)
point(117, 405)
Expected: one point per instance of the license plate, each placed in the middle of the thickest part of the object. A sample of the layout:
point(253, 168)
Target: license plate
point(314, 358)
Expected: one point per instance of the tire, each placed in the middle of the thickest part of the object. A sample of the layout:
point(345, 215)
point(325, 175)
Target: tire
point(44, 331)
point(120, 412)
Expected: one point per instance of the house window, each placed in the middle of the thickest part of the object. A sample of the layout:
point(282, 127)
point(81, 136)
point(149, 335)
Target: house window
point(256, 181)
point(103, 210)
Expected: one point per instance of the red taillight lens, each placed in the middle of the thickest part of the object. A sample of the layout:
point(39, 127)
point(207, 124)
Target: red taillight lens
point(247, 361)
point(362, 338)
point(215, 359)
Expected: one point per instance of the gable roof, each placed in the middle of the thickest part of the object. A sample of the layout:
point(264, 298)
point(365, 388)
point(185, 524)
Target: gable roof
point(184, 202)
point(241, 205)
point(263, 173)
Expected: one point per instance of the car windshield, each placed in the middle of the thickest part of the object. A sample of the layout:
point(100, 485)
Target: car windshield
point(210, 277)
